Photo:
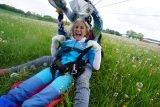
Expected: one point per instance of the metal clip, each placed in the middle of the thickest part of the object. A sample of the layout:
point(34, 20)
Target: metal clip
point(74, 71)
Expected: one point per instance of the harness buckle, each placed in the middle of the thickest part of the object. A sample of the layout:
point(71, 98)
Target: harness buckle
point(74, 71)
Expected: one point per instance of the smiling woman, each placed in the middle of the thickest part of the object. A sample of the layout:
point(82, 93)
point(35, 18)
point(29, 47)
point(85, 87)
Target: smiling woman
point(80, 28)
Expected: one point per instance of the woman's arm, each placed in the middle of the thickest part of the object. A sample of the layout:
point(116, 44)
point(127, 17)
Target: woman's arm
point(55, 43)
point(94, 54)
point(97, 60)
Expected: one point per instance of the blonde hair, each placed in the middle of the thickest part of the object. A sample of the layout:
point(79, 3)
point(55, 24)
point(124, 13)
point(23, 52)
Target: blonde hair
point(85, 23)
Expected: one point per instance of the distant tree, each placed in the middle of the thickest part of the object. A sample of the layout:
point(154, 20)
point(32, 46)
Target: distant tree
point(140, 36)
point(28, 13)
point(112, 32)
point(134, 35)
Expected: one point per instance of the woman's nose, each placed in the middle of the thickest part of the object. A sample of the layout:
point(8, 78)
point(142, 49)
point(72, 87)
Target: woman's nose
point(78, 29)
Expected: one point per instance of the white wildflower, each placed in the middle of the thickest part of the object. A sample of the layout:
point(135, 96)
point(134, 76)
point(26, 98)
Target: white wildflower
point(1, 39)
point(138, 89)
point(148, 59)
point(140, 62)
point(151, 99)
point(4, 41)
point(115, 94)
point(134, 66)
point(2, 32)
point(133, 58)
point(126, 96)
point(139, 85)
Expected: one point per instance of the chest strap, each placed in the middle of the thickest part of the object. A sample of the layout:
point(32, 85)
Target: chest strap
point(75, 68)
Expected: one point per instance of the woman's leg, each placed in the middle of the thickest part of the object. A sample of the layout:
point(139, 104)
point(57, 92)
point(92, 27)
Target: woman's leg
point(51, 92)
point(21, 92)
point(82, 93)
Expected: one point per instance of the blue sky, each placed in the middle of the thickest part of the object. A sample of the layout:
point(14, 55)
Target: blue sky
point(141, 16)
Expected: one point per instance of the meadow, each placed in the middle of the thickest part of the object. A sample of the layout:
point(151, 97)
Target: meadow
point(129, 74)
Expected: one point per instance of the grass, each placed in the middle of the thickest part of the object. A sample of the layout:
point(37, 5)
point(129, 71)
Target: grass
point(129, 74)
point(23, 39)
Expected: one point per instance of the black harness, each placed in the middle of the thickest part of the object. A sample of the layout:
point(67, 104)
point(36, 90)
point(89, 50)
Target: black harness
point(75, 68)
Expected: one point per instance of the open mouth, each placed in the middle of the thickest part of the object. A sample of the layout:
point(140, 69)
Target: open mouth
point(78, 34)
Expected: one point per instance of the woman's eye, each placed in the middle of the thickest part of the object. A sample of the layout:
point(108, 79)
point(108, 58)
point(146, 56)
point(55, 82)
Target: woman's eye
point(76, 27)
point(82, 27)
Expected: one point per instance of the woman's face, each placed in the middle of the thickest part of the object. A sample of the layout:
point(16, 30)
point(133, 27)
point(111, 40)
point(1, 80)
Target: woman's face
point(79, 30)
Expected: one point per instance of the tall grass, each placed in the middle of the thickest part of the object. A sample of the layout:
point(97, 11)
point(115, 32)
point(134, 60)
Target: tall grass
point(129, 74)
point(23, 39)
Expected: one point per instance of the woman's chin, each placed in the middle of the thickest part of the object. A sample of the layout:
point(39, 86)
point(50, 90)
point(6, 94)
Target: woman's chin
point(77, 37)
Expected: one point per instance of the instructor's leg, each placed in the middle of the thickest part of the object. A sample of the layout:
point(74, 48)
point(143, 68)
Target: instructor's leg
point(82, 93)
point(42, 61)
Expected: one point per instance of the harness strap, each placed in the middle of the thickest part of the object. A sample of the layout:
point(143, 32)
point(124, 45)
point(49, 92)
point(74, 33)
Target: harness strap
point(83, 53)
point(67, 49)
point(75, 68)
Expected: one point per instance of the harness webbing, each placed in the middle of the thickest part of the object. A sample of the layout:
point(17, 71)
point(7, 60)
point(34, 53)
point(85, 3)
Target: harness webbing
point(67, 49)
point(75, 68)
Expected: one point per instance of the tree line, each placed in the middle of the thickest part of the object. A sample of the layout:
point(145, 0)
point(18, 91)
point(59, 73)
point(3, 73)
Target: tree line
point(112, 32)
point(130, 34)
point(134, 35)
point(28, 14)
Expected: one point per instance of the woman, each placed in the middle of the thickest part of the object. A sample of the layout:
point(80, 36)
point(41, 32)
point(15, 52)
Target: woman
point(62, 82)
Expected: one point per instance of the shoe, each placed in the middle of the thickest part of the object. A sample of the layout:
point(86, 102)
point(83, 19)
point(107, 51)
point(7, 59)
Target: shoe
point(53, 4)
point(4, 71)
point(58, 4)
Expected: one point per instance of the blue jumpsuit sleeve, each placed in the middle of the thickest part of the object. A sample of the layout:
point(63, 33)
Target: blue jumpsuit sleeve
point(97, 21)
point(61, 30)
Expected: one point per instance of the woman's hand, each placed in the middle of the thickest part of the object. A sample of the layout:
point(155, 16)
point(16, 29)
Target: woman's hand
point(94, 44)
point(55, 43)
point(58, 38)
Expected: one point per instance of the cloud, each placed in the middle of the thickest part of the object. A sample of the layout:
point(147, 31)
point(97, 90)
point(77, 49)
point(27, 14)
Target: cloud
point(141, 16)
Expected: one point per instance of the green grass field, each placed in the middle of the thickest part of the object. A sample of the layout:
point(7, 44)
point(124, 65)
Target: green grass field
point(129, 74)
